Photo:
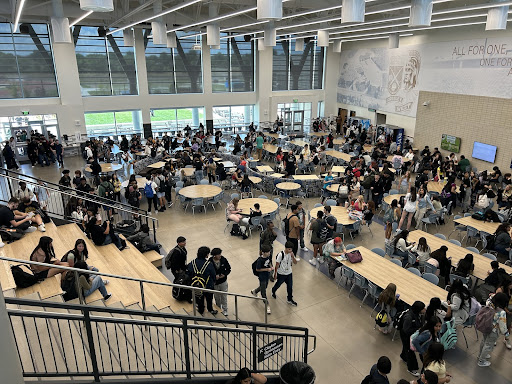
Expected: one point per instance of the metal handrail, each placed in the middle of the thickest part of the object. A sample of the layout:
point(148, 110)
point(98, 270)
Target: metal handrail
point(145, 281)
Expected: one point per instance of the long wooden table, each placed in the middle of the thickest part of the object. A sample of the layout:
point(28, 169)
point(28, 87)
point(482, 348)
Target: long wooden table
point(478, 225)
point(340, 213)
point(382, 271)
point(305, 177)
point(299, 143)
point(197, 191)
point(389, 198)
point(434, 186)
point(264, 169)
point(482, 263)
point(338, 155)
point(271, 148)
point(157, 165)
point(106, 168)
point(266, 205)
point(390, 159)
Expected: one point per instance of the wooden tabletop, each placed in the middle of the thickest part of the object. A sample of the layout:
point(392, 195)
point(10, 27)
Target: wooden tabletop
point(196, 191)
point(228, 164)
point(300, 143)
point(367, 148)
point(338, 169)
point(436, 186)
point(189, 172)
point(340, 213)
point(318, 134)
point(482, 263)
point(478, 225)
point(160, 164)
point(305, 177)
point(106, 167)
point(288, 186)
point(338, 141)
point(338, 155)
point(271, 148)
point(391, 169)
point(264, 169)
point(274, 135)
point(277, 175)
point(333, 188)
point(382, 271)
point(217, 159)
point(266, 205)
point(255, 180)
point(390, 159)
point(210, 140)
point(389, 199)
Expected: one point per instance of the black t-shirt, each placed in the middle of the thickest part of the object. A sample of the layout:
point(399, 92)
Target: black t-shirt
point(97, 235)
point(6, 216)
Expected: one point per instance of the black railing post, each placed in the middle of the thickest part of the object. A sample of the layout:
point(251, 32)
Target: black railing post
point(187, 349)
point(81, 298)
point(8, 183)
point(154, 231)
point(90, 341)
point(142, 298)
point(254, 349)
point(306, 340)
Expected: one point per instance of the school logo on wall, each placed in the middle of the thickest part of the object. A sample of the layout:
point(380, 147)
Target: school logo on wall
point(402, 80)
point(395, 79)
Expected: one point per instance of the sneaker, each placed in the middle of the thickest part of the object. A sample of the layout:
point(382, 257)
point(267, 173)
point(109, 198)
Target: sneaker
point(274, 295)
point(291, 302)
point(1, 244)
point(214, 312)
point(484, 363)
point(105, 282)
point(225, 312)
point(305, 249)
point(488, 356)
point(253, 292)
point(109, 295)
point(42, 228)
point(415, 373)
point(321, 260)
point(507, 343)
point(269, 311)
point(297, 258)
point(313, 262)
point(30, 229)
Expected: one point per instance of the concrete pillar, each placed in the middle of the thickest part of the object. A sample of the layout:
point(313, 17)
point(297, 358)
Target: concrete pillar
point(137, 123)
point(247, 115)
point(142, 76)
point(352, 11)
point(270, 9)
point(421, 13)
point(195, 117)
point(497, 17)
point(10, 365)
point(269, 37)
point(393, 41)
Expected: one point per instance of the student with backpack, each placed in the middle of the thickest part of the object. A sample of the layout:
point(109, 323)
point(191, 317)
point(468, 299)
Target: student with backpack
point(283, 271)
point(222, 270)
point(106, 191)
point(408, 323)
point(176, 259)
point(161, 183)
point(202, 273)
point(150, 191)
point(426, 335)
point(262, 268)
point(292, 228)
point(491, 320)
point(379, 372)
point(319, 232)
point(427, 377)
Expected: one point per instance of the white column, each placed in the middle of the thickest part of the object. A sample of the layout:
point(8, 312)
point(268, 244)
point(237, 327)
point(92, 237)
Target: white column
point(421, 13)
point(207, 81)
point(142, 76)
point(393, 41)
point(323, 38)
point(10, 365)
point(337, 46)
point(299, 45)
point(264, 84)
point(269, 37)
point(352, 11)
point(270, 9)
point(497, 17)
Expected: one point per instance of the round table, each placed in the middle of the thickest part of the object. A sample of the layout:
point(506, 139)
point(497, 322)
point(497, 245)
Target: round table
point(340, 213)
point(255, 180)
point(106, 168)
point(267, 206)
point(389, 198)
point(288, 186)
point(333, 188)
point(198, 191)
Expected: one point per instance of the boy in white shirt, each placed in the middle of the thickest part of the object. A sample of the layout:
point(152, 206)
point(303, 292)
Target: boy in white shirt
point(283, 272)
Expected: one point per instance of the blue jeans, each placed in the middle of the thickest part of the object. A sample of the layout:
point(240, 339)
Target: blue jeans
point(97, 283)
point(109, 239)
point(289, 285)
point(44, 158)
point(503, 251)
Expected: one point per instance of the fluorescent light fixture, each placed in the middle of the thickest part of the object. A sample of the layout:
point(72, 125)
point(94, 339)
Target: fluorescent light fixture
point(172, 9)
point(245, 25)
point(80, 18)
point(474, 7)
point(222, 17)
point(310, 12)
point(21, 3)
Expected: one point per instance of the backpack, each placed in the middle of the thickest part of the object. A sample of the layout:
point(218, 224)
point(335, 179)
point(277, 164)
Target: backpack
point(382, 318)
point(69, 287)
point(8, 235)
point(182, 294)
point(254, 272)
point(398, 322)
point(286, 222)
point(198, 280)
point(484, 320)
point(148, 190)
point(413, 337)
point(474, 306)
point(491, 241)
point(21, 278)
point(478, 216)
point(322, 231)
point(449, 338)
point(109, 191)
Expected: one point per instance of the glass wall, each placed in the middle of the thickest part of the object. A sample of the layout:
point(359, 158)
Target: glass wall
point(26, 63)
point(172, 120)
point(306, 107)
point(297, 70)
point(173, 70)
point(233, 116)
point(233, 65)
point(46, 125)
point(105, 66)
point(113, 123)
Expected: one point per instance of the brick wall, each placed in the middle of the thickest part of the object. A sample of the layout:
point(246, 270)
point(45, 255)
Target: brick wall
point(472, 118)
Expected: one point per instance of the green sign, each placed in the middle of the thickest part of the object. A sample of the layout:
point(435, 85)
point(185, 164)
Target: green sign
point(372, 110)
point(295, 100)
point(24, 113)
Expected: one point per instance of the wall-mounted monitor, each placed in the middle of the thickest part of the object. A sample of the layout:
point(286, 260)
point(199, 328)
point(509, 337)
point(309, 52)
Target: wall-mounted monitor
point(484, 152)
point(450, 143)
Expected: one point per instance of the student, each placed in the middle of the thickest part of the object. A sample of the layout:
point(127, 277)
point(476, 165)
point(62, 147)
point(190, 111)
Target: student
point(253, 212)
point(502, 244)
point(436, 308)
point(264, 269)
point(28, 206)
point(41, 194)
point(392, 214)
point(443, 264)
point(465, 267)
point(301, 214)
point(428, 334)
point(142, 240)
point(87, 284)
point(161, 184)
point(23, 191)
point(222, 270)
point(334, 248)
point(387, 301)
point(411, 323)
point(103, 234)
point(11, 218)
point(245, 376)
point(176, 259)
point(194, 269)
point(433, 361)
point(317, 226)
point(44, 253)
point(409, 208)
point(294, 228)
point(422, 250)
point(422, 206)
point(499, 303)
point(379, 372)
point(459, 300)
point(283, 272)
point(330, 221)
point(427, 377)
point(328, 180)
point(234, 214)
point(78, 253)
point(268, 236)
point(150, 188)
point(402, 247)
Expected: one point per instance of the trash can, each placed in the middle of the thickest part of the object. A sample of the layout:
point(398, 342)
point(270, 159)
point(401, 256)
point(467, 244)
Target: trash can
point(297, 372)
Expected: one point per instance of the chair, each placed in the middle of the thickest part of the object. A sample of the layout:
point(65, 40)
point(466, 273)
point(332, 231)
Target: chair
point(214, 200)
point(411, 259)
point(470, 322)
point(431, 219)
point(416, 271)
point(347, 273)
point(464, 280)
point(431, 277)
point(216, 184)
point(367, 225)
point(373, 291)
point(379, 251)
point(198, 202)
point(204, 182)
point(228, 221)
point(397, 262)
point(361, 282)
point(180, 184)
point(473, 249)
point(393, 191)
point(456, 242)
point(471, 233)
point(235, 196)
point(255, 223)
point(490, 256)
point(394, 227)
point(354, 228)
point(262, 197)
point(317, 205)
point(440, 235)
point(349, 246)
point(429, 268)
point(330, 202)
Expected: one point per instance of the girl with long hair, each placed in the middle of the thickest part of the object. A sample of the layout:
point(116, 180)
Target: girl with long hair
point(44, 253)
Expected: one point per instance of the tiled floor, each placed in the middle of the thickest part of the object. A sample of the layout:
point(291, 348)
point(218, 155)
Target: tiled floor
point(347, 343)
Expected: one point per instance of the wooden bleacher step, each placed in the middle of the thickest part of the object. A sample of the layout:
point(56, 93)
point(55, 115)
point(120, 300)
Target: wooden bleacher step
point(154, 258)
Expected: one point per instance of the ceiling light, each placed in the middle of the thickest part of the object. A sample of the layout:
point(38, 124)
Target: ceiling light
point(80, 18)
point(310, 12)
point(18, 14)
point(97, 5)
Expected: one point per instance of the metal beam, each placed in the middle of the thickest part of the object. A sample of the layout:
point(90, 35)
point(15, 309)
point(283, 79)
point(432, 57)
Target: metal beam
point(122, 61)
point(245, 71)
point(296, 70)
point(39, 45)
point(192, 75)
point(140, 8)
point(76, 33)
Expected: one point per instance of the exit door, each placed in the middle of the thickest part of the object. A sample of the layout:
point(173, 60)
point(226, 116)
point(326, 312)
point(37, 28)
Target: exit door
point(293, 122)
point(21, 135)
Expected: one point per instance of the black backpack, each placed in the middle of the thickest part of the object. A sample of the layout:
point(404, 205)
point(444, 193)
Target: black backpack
point(182, 294)
point(109, 191)
point(69, 287)
point(286, 222)
point(254, 264)
point(398, 322)
point(323, 230)
point(21, 278)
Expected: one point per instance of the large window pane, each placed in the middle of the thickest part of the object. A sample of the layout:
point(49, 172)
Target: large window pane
point(26, 63)
point(233, 116)
point(113, 123)
point(172, 120)
point(105, 66)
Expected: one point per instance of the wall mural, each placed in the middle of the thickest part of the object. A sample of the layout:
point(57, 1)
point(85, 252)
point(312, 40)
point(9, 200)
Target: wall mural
point(390, 79)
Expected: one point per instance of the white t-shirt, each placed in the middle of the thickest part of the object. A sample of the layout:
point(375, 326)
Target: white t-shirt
point(285, 263)
point(410, 206)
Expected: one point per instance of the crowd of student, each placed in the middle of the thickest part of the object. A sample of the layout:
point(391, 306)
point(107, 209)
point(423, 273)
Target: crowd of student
point(40, 150)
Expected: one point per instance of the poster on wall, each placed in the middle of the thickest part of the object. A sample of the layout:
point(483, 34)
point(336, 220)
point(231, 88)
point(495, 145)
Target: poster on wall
point(390, 79)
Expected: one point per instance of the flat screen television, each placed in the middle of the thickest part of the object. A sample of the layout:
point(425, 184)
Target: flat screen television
point(484, 152)
point(450, 143)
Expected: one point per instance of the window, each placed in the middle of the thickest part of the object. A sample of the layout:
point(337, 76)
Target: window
point(297, 70)
point(113, 123)
point(173, 70)
point(233, 116)
point(165, 120)
point(233, 65)
point(105, 66)
point(306, 107)
point(16, 126)
point(26, 63)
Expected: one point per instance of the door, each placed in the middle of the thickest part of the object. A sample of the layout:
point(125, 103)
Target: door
point(21, 135)
point(287, 121)
point(342, 113)
point(298, 122)
point(381, 118)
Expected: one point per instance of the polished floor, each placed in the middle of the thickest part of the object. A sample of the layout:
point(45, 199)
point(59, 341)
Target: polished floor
point(347, 344)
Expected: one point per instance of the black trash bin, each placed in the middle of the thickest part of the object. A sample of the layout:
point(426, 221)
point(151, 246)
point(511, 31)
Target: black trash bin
point(297, 372)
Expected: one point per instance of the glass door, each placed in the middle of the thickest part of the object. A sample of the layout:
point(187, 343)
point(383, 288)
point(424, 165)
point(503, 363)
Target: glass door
point(21, 135)
point(287, 121)
point(298, 122)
